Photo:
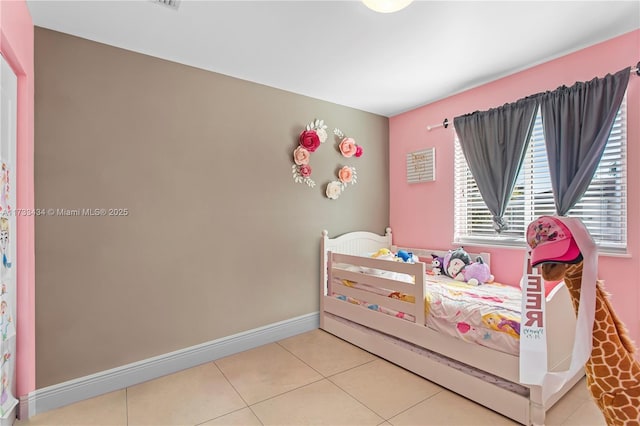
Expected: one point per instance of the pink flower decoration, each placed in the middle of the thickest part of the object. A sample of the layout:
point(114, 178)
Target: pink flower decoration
point(345, 174)
point(358, 151)
point(309, 140)
point(305, 170)
point(301, 156)
point(348, 147)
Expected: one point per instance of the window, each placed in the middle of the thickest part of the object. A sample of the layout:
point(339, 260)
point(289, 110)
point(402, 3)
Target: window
point(602, 208)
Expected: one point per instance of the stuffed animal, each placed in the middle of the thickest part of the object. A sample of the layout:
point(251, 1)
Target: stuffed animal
point(458, 265)
point(454, 263)
point(383, 253)
point(407, 256)
point(564, 249)
point(436, 264)
point(401, 256)
point(478, 272)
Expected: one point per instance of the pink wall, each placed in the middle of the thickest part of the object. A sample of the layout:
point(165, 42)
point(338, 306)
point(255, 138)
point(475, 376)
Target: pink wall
point(16, 45)
point(422, 214)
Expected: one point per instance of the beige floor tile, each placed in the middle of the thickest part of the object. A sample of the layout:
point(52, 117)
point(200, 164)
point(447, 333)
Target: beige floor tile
point(588, 414)
point(367, 383)
point(580, 390)
point(320, 403)
point(188, 397)
point(266, 371)
point(105, 410)
point(569, 403)
point(244, 417)
point(325, 352)
point(448, 409)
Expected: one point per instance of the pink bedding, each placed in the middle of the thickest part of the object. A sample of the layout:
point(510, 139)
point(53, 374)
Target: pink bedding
point(488, 314)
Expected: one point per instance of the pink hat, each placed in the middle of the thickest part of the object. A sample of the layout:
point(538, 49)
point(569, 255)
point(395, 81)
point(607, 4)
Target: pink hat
point(551, 241)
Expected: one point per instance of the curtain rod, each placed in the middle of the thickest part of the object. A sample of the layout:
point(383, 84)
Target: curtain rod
point(446, 122)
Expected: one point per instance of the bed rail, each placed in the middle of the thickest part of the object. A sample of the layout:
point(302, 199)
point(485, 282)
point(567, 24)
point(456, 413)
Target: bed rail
point(337, 267)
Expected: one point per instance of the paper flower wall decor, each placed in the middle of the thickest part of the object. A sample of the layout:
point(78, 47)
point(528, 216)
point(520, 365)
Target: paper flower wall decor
point(348, 146)
point(334, 189)
point(346, 175)
point(309, 140)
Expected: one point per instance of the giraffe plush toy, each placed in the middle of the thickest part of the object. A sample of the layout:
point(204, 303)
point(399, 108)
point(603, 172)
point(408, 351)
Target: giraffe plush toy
point(613, 373)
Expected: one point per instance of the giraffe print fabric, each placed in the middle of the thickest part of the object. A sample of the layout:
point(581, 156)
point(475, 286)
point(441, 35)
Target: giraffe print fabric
point(613, 373)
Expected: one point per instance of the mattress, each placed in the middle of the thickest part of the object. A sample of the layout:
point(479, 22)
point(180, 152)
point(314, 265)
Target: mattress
point(487, 315)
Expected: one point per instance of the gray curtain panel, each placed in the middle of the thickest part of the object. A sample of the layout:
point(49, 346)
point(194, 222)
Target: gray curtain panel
point(494, 143)
point(577, 121)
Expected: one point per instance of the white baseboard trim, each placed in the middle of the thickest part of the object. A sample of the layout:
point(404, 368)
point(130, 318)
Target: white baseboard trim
point(82, 388)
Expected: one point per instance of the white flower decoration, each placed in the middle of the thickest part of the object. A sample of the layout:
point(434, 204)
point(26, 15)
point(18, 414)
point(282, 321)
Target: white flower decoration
point(334, 189)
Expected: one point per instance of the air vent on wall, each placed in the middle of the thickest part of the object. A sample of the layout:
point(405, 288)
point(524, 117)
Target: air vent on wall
point(173, 4)
point(421, 166)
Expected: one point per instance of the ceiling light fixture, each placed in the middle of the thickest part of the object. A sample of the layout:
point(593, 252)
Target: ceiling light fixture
point(174, 4)
point(386, 6)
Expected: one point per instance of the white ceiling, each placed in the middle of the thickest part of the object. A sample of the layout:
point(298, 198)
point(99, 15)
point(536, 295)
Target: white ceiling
point(342, 52)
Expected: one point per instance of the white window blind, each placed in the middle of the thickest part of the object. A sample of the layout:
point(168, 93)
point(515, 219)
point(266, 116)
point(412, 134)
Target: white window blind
point(603, 208)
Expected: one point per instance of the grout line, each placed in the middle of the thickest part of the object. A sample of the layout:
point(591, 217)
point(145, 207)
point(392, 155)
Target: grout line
point(237, 392)
point(230, 384)
point(376, 358)
point(414, 405)
point(300, 359)
point(256, 416)
point(339, 372)
point(226, 414)
point(289, 391)
point(356, 399)
point(266, 399)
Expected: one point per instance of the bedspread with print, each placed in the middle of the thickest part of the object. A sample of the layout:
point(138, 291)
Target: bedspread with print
point(488, 315)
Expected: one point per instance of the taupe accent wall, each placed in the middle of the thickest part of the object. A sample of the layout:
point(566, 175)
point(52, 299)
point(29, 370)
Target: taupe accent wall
point(218, 238)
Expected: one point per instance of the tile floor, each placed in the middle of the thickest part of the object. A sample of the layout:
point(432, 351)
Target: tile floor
point(313, 378)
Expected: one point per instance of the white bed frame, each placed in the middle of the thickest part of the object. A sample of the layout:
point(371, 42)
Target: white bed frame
point(426, 352)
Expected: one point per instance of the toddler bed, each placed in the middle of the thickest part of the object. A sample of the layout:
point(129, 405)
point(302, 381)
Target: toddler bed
point(463, 337)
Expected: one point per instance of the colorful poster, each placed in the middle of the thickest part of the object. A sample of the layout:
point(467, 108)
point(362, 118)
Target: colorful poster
point(8, 286)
